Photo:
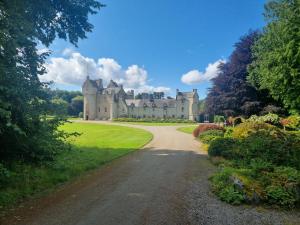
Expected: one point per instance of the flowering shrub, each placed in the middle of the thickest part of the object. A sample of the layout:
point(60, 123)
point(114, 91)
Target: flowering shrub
point(291, 122)
point(204, 127)
point(270, 118)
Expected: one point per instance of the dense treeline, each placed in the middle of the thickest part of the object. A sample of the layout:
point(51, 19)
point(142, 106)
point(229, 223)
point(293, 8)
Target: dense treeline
point(64, 102)
point(263, 72)
point(25, 133)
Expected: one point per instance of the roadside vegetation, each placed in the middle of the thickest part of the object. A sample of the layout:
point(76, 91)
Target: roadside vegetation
point(256, 104)
point(187, 129)
point(259, 160)
point(95, 145)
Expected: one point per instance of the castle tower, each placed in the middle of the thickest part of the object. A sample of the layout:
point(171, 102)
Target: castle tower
point(193, 105)
point(89, 91)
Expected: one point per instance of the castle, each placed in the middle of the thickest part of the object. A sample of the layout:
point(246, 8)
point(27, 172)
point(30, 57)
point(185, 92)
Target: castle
point(113, 102)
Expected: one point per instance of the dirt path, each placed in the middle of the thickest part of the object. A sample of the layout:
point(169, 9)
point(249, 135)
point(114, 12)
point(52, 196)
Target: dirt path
point(165, 183)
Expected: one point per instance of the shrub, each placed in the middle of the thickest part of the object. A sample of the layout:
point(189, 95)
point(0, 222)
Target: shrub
point(291, 122)
point(269, 118)
point(4, 175)
point(280, 196)
point(283, 189)
point(245, 129)
point(222, 147)
point(208, 136)
point(224, 188)
point(219, 119)
point(279, 150)
point(80, 115)
point(204, 127)
point(237, 121)
point(228, 132)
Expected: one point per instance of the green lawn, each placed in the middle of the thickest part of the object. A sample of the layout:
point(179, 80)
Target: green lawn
point(188, 129)
point(97, 145)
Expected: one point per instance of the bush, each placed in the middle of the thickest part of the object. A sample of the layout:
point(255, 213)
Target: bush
point(245, 129)
point(291, 122)
point(219, 119)
point(269, 118)
point(80, 115)
point(279, 186)
point(205, 127)
point(4, 175)
point(224, 188)
point(222, 147)
point(207, 136)
point(228, 132)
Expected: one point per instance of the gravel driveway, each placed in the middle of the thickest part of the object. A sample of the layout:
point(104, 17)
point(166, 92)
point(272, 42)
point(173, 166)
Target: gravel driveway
point(165, 183)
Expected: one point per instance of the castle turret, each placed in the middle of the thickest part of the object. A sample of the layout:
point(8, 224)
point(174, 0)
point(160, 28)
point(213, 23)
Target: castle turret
point(193, 105)
point(89, 91)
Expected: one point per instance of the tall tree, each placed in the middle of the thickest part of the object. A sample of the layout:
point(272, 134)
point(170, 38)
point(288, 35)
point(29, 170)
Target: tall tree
point(277, 53)
point(24, 131)
point(231, 94)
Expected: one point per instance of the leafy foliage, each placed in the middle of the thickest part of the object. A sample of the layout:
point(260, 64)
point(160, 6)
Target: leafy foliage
point(207, 136)
point(247, 128)
point(231, 94)
point(291, 122)
point(270, 118)
point(25, 134)
point(264, 164)
point(276, 65)
point(222, 147)
point(205, 127)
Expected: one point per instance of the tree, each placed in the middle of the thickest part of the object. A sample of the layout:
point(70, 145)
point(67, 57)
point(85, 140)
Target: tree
point(276, 65)
point(231, 94)
point(76, 105)
point(24, 132)
point(59, 107)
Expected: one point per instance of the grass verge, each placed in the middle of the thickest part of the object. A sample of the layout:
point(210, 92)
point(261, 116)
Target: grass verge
point(187, 129)
point(97, 145)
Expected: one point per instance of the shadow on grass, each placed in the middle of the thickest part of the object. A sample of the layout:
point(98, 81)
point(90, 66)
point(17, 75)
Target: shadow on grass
point(27, 180)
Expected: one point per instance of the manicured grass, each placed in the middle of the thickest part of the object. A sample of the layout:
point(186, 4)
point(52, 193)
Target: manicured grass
point(97, 145)
point(156, 123)
point(188, 129)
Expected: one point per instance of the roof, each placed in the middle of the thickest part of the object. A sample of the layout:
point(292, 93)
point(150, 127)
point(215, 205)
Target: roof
point(112, 84)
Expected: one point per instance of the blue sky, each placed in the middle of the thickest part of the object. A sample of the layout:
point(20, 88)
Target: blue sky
point(165, 38)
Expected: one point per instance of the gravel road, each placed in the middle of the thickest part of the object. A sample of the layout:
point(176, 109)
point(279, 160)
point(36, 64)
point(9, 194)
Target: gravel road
point(164, 183)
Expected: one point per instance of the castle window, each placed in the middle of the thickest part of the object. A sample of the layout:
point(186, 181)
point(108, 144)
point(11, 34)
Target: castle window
point(182, 109)
point(182, 116)
point(99, 109)
point(105, 109)
point(173, 116)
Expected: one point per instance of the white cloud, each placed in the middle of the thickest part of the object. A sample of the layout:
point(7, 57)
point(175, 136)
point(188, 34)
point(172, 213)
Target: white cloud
point(196, 76)
point(73, 69)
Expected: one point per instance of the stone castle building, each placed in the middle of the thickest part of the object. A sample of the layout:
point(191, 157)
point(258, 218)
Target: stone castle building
point(113, 102)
